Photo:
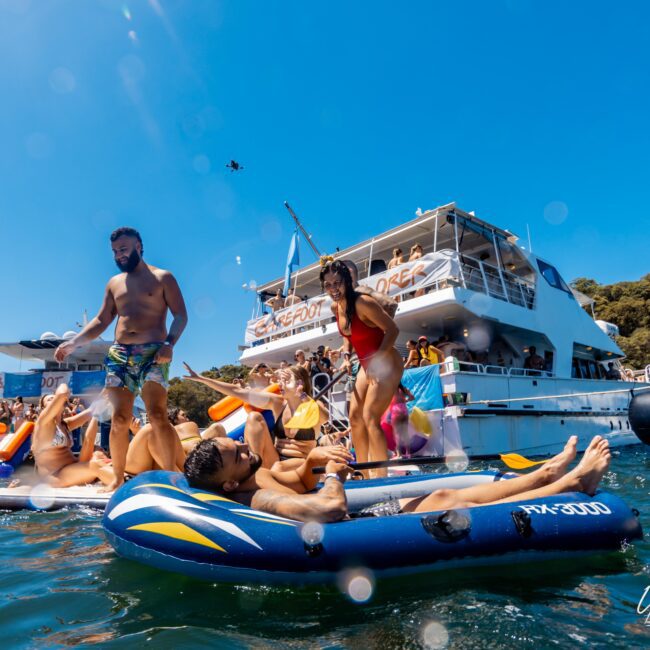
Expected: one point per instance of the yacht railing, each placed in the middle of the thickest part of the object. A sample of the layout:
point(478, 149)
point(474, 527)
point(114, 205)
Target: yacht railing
point(454, 365)
point(474, 275)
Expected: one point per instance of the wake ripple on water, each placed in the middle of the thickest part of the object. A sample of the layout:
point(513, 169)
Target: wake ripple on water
point(62, 585)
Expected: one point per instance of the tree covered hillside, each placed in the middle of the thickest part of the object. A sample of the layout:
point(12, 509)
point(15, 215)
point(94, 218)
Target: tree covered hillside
point(626, 304)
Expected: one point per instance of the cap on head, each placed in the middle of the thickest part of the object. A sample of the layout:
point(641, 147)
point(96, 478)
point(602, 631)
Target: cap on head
point(423, 338)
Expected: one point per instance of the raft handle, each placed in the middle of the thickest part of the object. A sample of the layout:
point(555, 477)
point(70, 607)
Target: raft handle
point(449, 526)
point(523, 522)
point(313, 550)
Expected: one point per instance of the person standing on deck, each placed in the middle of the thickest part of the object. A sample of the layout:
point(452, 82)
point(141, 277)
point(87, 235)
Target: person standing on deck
point(371, 332)
point(139, 359)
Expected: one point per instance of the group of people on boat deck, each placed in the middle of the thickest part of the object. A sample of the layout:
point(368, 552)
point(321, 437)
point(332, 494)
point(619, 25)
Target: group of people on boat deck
point(272, 469)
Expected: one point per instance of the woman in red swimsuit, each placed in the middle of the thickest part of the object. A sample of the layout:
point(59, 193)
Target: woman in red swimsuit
point(372, 333)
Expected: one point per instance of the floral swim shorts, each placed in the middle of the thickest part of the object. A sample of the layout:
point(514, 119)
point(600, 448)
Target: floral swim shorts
point(130, 366)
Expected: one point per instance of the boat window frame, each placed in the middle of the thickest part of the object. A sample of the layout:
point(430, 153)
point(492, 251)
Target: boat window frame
point(555, 280)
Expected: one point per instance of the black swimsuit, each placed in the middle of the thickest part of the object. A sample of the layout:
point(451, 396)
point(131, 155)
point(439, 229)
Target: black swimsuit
point(301, 434)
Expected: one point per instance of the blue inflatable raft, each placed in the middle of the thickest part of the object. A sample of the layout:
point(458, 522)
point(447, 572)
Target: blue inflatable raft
point(157, 519)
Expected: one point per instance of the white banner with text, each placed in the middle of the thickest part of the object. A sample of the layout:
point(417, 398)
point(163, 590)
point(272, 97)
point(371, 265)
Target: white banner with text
point(410, 276)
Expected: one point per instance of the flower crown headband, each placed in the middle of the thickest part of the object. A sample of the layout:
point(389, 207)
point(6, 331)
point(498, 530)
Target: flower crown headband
point(325, 260)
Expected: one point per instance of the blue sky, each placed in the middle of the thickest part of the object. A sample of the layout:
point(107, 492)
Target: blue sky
point(356, 113)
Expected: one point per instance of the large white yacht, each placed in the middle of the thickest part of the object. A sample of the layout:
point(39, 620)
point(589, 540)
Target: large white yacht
point(477, 287)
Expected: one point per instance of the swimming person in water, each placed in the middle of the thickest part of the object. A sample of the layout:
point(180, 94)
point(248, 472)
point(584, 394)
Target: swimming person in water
point(52, 445)
point(138, 361)
point(265, 431)
point(372, 333)
point(227, 467)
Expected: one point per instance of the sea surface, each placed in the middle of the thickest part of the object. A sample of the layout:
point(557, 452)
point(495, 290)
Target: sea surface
point(61, 584)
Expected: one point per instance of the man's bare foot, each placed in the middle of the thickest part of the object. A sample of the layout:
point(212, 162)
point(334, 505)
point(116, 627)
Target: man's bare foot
point(558, 465)
point(590, 470)
point(15, 483)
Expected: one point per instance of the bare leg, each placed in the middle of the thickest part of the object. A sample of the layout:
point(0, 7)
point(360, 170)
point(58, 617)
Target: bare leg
point(215, 430)
point(139, 458)
point(82, 473)
point(358, 429)
point(584, 477)
point(378, 398)
point(258, 438)
point(164, 439)
point(122, 401)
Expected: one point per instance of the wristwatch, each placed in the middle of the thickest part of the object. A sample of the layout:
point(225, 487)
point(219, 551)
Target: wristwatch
point(333, 475)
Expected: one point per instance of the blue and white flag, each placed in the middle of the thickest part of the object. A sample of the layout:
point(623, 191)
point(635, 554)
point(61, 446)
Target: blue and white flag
point(293, 259)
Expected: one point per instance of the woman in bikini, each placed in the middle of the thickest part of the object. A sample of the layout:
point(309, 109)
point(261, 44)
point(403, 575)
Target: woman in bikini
point(52, 443)
point(265, 432)
point(372, 333)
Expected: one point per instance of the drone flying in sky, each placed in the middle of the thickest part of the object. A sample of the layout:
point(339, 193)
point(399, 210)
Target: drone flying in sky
point(234, 166)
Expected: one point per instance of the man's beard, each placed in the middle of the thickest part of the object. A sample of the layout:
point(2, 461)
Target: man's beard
point(131, 263)
point(256, 463)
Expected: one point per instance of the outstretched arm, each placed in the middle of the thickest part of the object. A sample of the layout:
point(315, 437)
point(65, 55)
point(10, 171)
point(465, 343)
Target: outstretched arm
point(88, 445)
point(302, 479)
point(79, 419)
point(94, 328)
point(56, 406)
point(257, 398)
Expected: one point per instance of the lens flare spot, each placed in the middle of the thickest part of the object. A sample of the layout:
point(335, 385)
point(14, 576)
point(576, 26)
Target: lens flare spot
point(312, 533)
point(205, 307)
point(41, 497)
point(62, 81)
point(201, 164)
point(457, 461)
point(271, 231)
point(478, 338)
point(133, 36)
point(126, 12)
point(238, 260)
point(357, 584)
point(435, 636)
point(556, 212)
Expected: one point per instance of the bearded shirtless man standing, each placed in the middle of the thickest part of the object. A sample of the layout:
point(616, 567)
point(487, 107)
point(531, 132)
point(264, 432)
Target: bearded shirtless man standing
point(139, 359)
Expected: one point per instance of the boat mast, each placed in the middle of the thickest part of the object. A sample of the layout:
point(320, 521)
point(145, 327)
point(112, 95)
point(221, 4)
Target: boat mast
point(302, 230)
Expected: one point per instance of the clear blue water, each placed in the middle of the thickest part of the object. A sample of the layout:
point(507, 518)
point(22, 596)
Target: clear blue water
point(61, 585)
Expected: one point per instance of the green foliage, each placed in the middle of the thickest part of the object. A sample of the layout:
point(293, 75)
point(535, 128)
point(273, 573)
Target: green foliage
point(195, 399)
point(627, 305)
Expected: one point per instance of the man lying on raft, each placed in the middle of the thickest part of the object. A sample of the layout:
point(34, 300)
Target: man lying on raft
point(227, 467)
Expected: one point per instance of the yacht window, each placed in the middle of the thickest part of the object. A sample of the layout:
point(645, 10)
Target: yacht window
point(552, 276)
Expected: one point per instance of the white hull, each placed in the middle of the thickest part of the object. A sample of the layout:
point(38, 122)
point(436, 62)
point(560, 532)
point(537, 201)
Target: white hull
point(498, 420)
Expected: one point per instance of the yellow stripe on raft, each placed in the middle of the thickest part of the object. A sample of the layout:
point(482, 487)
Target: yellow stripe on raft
point(204, 496)
point(161, 485)
point(178, 531)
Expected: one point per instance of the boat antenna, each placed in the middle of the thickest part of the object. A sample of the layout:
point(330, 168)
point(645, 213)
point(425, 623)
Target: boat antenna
point(302, 230)
point(530, 246)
